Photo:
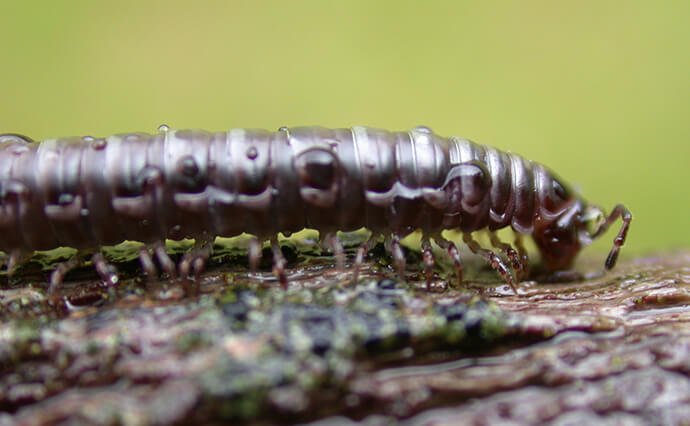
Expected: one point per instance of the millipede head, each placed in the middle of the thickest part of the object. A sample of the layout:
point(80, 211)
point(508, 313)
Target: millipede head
point(558, 236)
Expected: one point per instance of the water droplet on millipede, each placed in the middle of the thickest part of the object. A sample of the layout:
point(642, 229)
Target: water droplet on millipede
point(282, 129)
point(423, 129)
point(99, 144)
point(84, 212)
point(252, 153)
point(163, 128)
point(88, 138)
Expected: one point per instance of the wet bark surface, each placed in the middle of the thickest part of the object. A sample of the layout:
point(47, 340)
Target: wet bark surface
point(611, 348)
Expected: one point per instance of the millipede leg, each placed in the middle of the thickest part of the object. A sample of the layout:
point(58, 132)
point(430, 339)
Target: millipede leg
point(17, 257)
point(495, 261)
point(199, 263)
point(195, 260)
point(164, 260)
point(254, 253)
point(393, 243)
point(146, 261)
point(60, 272)
point(278, 262)
point(106, 271)
point(428, 257)
point(523, 255)
point(510, 253)
point(338, 251)
point(359, 259)
point(454, 255)
point(619, 211)
point(359, 256)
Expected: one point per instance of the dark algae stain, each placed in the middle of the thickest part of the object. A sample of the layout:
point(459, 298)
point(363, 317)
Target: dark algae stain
point(240, 348)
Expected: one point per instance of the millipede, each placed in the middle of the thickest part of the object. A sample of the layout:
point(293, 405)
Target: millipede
point(86, 193)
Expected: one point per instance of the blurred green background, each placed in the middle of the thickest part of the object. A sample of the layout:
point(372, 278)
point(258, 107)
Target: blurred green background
point(599, 91)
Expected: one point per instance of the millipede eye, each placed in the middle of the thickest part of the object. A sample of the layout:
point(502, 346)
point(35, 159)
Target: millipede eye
point(316, 168)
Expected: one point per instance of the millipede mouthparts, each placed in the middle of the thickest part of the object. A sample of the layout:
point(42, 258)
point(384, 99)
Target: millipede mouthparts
point(86, 192)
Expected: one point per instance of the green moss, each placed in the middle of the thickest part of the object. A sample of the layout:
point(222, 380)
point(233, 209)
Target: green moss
point(191, 341)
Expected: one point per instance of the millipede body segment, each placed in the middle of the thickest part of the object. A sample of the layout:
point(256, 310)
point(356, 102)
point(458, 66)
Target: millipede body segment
point(86, 192)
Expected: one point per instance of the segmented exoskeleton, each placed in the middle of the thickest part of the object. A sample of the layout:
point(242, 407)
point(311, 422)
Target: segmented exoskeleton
point(85, 192)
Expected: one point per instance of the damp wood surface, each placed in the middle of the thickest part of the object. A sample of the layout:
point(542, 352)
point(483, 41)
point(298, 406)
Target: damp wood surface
point(611, 348)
